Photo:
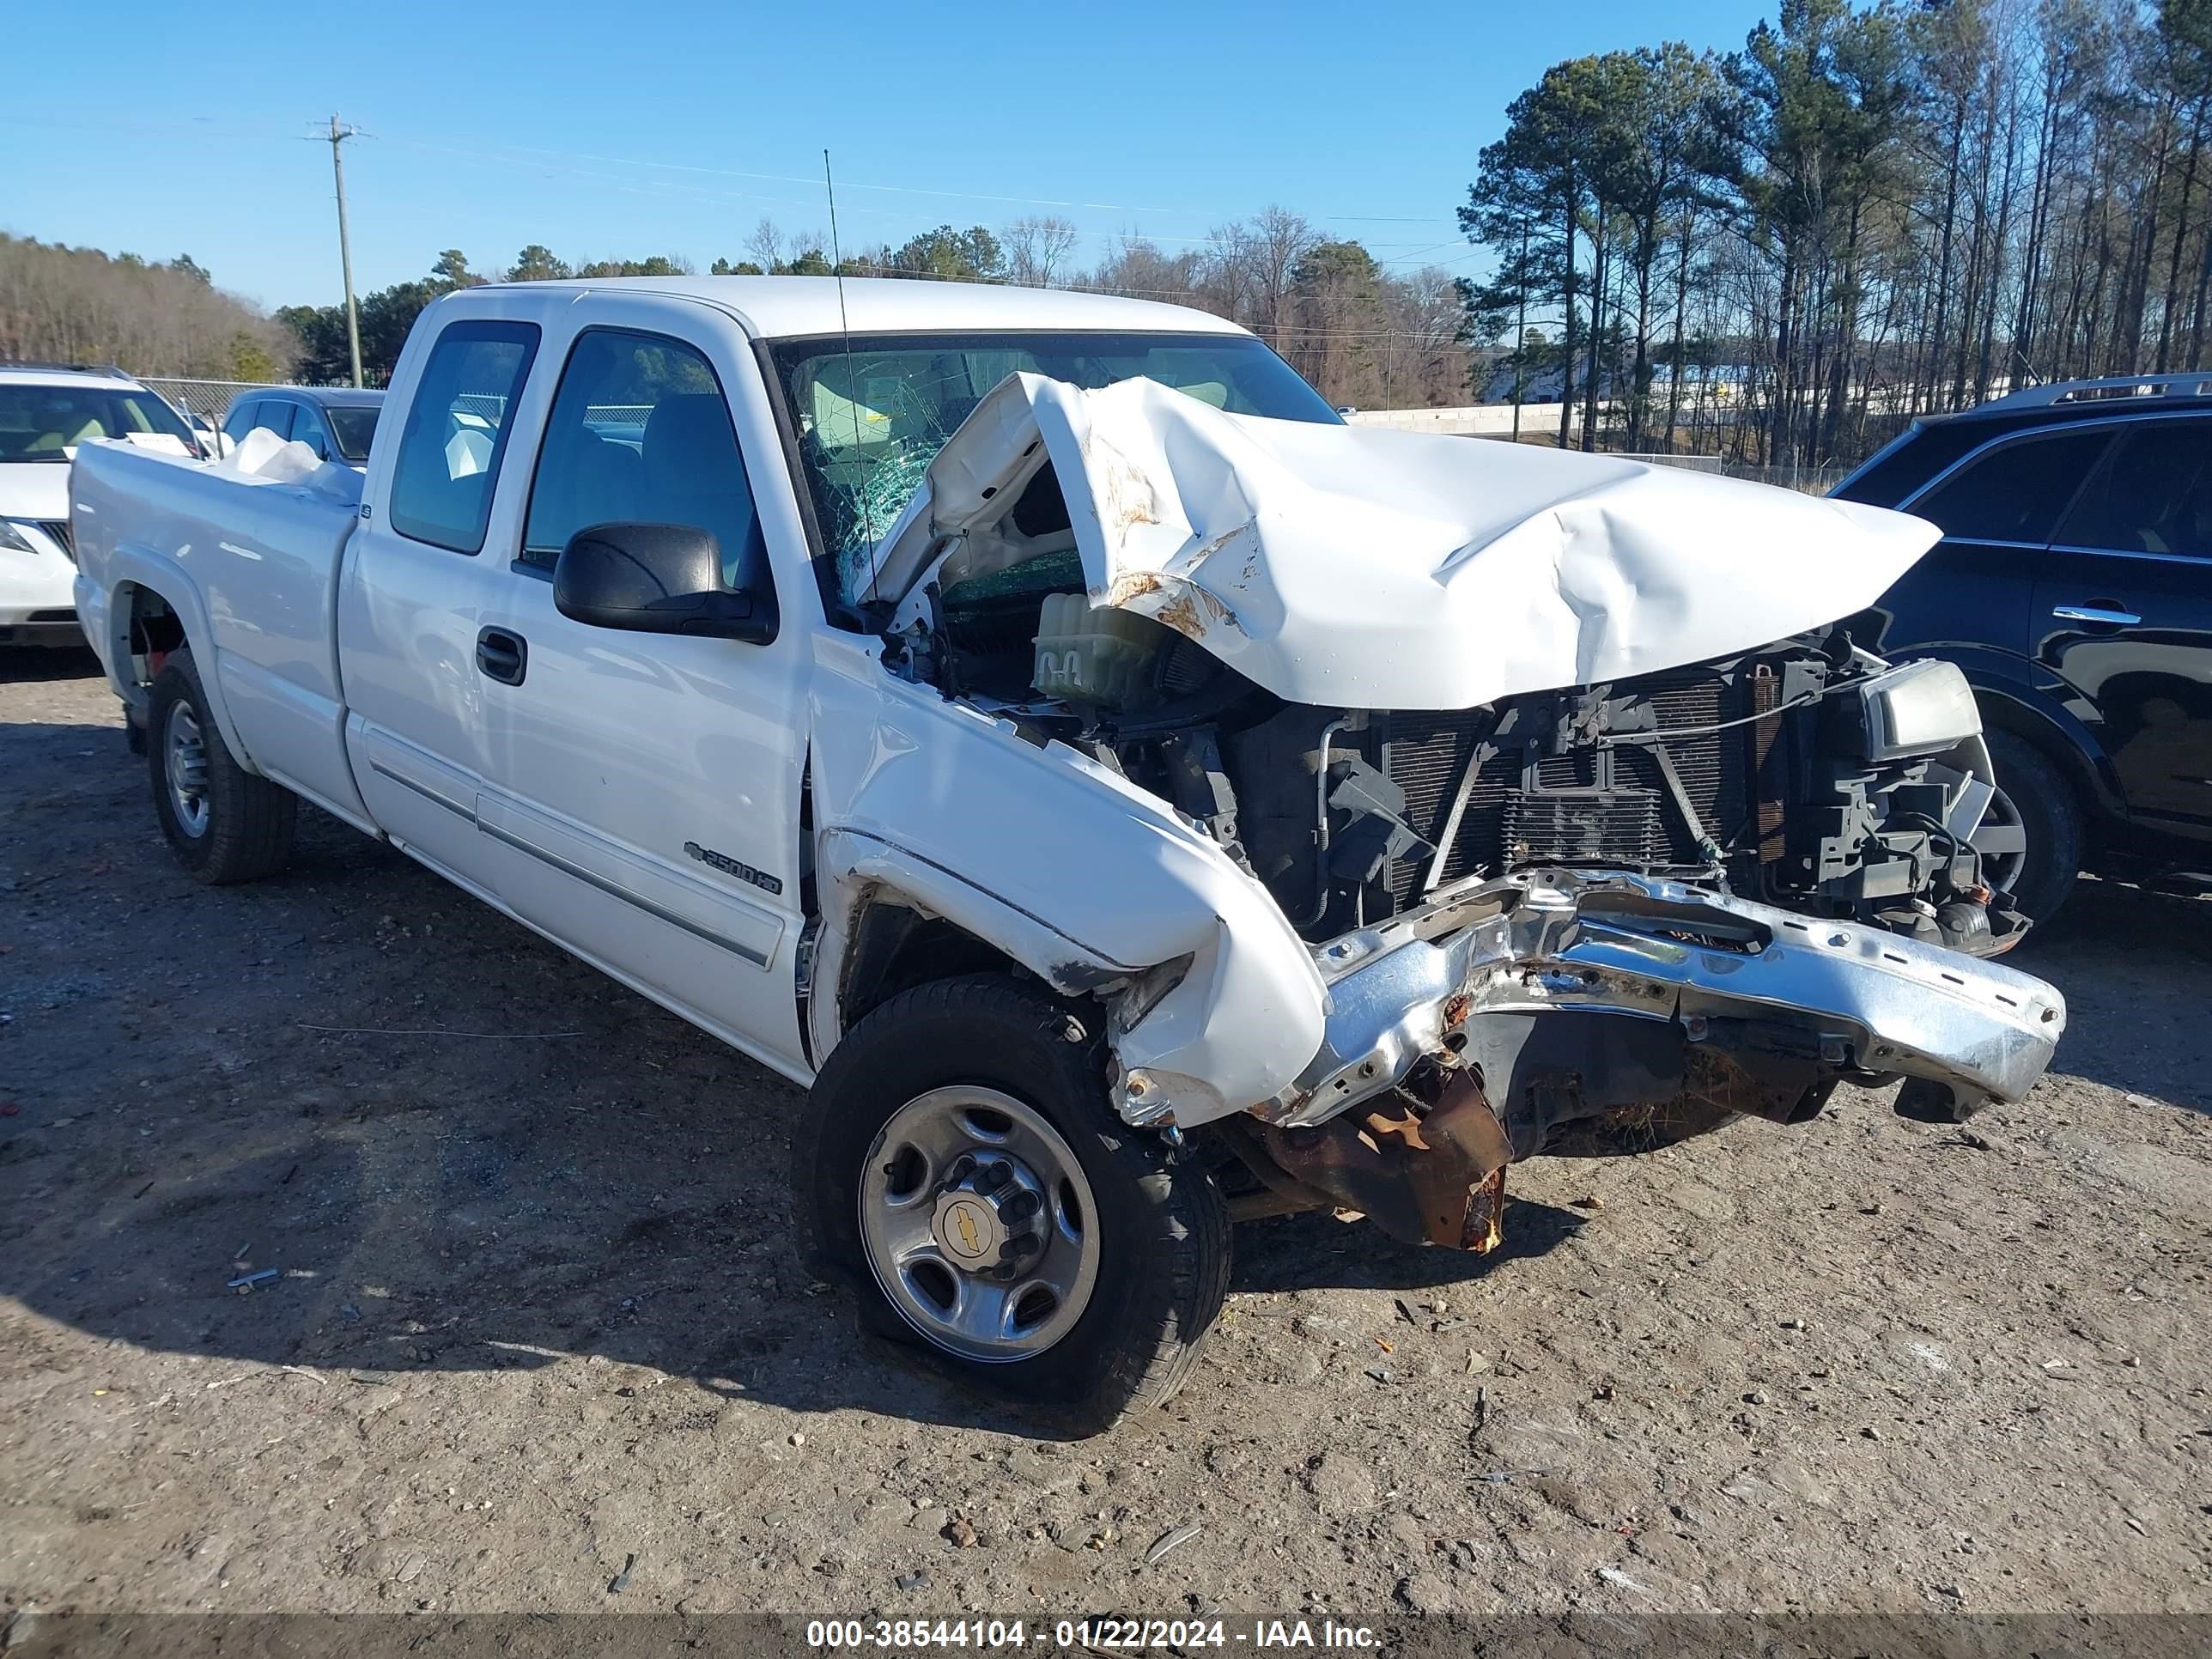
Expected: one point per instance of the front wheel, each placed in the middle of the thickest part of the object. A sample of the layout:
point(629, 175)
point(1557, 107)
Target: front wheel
point(958, 1167)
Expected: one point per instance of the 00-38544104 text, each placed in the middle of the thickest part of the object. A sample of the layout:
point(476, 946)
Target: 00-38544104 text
point(900, 1633)
point(1083, 1633)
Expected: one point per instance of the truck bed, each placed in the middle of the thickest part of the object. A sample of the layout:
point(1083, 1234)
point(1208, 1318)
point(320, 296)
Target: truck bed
point(261, 562)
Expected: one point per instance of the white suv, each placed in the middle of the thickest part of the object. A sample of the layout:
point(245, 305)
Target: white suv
point(45, 413)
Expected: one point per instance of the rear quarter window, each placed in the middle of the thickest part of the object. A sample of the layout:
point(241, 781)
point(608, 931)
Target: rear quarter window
point(351, 429)
point(1910, 461)
point(456, 432)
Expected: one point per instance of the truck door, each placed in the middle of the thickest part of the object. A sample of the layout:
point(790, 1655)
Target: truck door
point(2123, 614)
point(642, 790)
point(410, 608)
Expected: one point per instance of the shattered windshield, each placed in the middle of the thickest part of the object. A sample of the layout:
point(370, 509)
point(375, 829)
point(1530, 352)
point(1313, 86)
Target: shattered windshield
point(872, 415)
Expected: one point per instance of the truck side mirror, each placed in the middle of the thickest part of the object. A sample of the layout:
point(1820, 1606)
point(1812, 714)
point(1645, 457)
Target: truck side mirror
point(656, 578)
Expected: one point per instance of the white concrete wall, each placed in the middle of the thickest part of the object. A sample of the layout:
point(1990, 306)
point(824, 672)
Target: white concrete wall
point(1474, 421)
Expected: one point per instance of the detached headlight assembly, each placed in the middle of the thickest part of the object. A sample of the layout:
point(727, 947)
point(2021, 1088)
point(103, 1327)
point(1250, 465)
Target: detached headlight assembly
point(13, 539)
point(1919, 708)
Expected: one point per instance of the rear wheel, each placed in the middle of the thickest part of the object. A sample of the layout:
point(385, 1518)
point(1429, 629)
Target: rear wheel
point(2030, 840)
point(224, 823)
point(958, 1167)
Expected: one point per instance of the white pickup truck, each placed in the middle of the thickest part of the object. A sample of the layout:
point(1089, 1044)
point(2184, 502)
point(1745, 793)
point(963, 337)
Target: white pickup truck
point(1128, 799)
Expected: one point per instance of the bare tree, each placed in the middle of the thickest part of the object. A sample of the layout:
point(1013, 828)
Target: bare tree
point(1894, 208)
point(1038, 248)
point(1261, 258)
point(77, 305)
point(766, 245)
point(1427, 363)
point(1136, 267)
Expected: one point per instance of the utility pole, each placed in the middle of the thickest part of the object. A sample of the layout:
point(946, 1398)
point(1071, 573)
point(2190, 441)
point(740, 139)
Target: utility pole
point(339, 134)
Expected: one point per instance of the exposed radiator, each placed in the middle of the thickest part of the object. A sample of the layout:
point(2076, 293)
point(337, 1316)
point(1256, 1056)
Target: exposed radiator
point(1533, 808)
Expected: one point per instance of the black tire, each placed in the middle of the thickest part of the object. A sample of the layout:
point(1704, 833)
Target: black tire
point(2038, 798)
point(247, 832)
point(1164, 1227)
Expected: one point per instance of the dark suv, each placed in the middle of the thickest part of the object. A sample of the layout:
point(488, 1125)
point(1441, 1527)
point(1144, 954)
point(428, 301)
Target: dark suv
point(2073, 586)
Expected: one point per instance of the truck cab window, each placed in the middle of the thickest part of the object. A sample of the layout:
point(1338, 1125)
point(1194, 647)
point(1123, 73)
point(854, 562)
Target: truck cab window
point(641, 433)
point(456, 433)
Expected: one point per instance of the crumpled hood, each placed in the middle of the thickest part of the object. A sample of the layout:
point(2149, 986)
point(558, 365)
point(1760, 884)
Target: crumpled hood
point(1363, 568)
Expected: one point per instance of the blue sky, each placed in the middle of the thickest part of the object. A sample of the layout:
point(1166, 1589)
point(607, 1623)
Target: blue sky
point(608, 131)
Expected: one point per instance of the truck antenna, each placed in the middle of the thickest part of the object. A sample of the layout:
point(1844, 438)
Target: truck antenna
point(852, 380)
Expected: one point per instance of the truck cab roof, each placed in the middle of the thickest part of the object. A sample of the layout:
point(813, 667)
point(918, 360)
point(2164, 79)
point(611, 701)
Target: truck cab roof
point(777, 308)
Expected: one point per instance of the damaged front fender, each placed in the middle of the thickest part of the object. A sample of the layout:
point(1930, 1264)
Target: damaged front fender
point(1093, 884)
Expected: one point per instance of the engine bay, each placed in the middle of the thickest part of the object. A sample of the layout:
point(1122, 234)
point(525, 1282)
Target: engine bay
point(1596, 830)
point(1807, 774)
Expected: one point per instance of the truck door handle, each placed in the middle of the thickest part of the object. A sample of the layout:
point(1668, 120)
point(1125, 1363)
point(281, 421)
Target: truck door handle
point(502, 656)
point(2105, 612)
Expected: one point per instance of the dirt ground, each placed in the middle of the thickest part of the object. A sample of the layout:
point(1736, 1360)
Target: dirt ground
point(537, 1314)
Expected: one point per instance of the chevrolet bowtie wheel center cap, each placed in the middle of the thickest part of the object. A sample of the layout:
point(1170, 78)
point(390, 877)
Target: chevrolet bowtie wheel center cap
point(987, 1214)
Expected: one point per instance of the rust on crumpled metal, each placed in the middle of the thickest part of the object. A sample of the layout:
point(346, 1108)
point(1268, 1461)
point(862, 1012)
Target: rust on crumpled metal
point(1435, 1177)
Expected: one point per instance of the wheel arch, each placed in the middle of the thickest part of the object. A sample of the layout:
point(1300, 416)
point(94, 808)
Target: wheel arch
point(892, 922)
point(1067, 868)
point(2065, 740)
point(148, 618)
point(896, 945)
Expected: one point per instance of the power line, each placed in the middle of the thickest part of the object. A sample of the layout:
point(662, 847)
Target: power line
point(665, 189)
point(962, 195)
point(227, 125)
point(205, 124)
point(542, 159)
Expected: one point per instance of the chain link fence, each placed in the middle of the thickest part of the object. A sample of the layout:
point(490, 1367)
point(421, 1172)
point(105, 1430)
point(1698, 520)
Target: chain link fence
point(213, 398)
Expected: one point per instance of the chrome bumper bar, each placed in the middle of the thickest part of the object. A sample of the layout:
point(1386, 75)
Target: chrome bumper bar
point(1861, 1000)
